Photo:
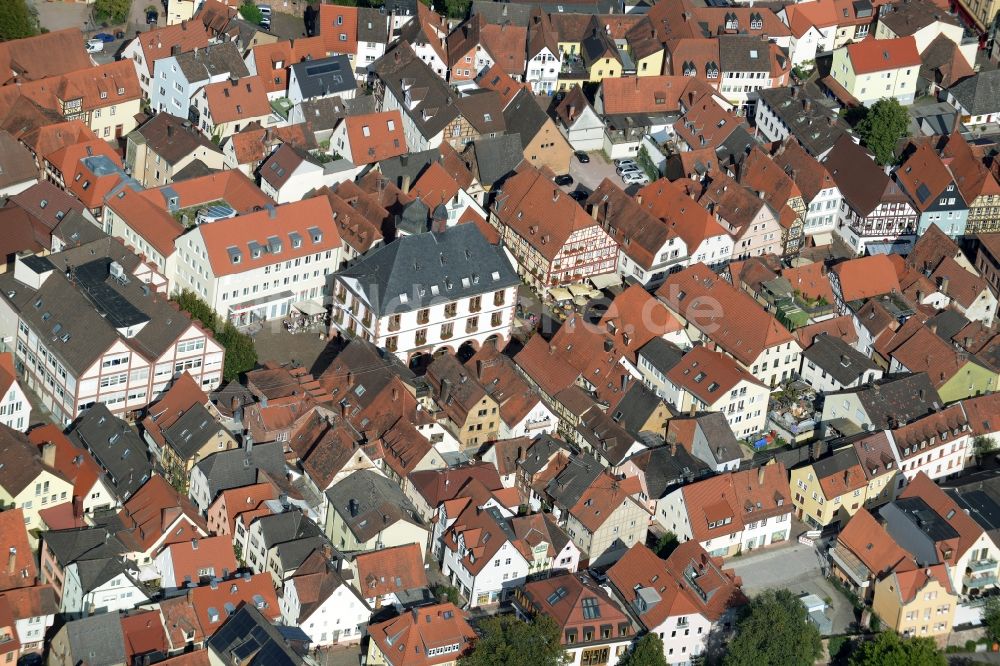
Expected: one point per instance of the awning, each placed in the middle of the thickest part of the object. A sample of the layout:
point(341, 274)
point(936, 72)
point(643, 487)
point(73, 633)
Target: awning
point(560, 294)
point(578, 289)
point(309, 308)
point(822, 238)
point(263, 300)
point(605, 281)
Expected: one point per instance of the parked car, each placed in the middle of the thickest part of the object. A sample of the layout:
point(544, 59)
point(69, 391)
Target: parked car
point(105, 37)
point(94, 46)
point(625, 161)
point(628, 168)
point(152, 17)
point(564, 179)
point(635, 177)
point(265, 10)
point(265, 23)
point(582, 157)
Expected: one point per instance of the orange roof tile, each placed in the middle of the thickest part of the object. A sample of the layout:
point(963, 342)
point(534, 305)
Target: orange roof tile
point(669, 202)
point(375, 136)
point(211, 603)
point(435, 186)
point(390, 570)
point(406, 639)
point(296, 217)
point(869, 541)
point(878, 55)
point(45, 55)
point(159, 42)
point(15, 539)
point(651, 94)
point(338, 26)
point(188, 557)
point(866, 277)
point(708, 375)
point(810, 280)
point(496, 79)
point(840, 327)
point(272, 61)
point(144, 634)
point(726, 498)
point(237, 99)
point(74, 464)
point(153, 510)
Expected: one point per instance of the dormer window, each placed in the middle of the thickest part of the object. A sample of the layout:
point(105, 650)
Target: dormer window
point(756, 22)
point(732, 23)
point(104, 94)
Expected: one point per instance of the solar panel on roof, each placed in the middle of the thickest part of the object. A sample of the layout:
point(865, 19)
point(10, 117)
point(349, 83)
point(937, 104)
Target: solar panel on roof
point(323, 68)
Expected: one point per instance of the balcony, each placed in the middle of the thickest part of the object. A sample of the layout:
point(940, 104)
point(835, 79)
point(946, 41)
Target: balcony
point(980, 581)
point(979, 566)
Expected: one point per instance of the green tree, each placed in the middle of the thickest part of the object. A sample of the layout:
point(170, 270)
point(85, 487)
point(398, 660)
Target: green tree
point(446, 593)
point(666, 545)
point(774, 629)
point(882, 128)
point(888, 649)
point(241, 355)
point(16, 20)
point(115, 11)
point(991, 618)
point(457, 9)
point(250, 12)
point(647, 652)
point(509, 641)
point(983, 445)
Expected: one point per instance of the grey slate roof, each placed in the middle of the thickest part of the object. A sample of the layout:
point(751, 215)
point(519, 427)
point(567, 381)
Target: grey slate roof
point(432, 104)
point(979, 94)
point(78, 544)
point(744, 53)
point(499, 13)
point(839, 359)
point(325, 112)
point(811, 126)
point(115, 446)
point(72, 310)
point(524, 117)
point(569, 485)
point(194, 169)
point(212, 60)
point(189, 433)
point(898, 399)
point(372, 26)
point(97, 640)
point(635, 408)
point(835, 464)
point(667, 466)
point(368, 502)
point(661, 354)
point(324, 77)
point(94, 573)
point(411, 165)
point(426, 268)
point(541, 450)
point(497, 157)
point(723, 445)
point(236, 468)
point(170, 137)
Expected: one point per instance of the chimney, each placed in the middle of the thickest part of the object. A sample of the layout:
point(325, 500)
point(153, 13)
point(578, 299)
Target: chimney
point(49, 454)
point(405, 185)
point(760, 475)
point(349, 378)
point(942, 283)
point(175, 50)
point(170, 130)
point(806, 104)
point(445, 390)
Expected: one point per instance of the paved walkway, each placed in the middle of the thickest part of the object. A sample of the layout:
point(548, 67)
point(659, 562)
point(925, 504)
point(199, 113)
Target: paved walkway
point(61, 15)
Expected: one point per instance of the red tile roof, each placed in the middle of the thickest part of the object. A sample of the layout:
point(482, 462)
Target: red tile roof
point(144, 633)
point(708, 375)
point(878, 55)
point(74, 464)
point(730, 500)
point(17, 569)
point(669, 202)
point(651, 94)
point(44, 55)
point(159, 42)
point(235, 591)
point(840, 327)
point(869, 541)
point(188, 557)
point(575, 601)
point(390, 570)
point(295, 217)
point(338, 26)
point(237, 99)
point(375, 136)
point(867, 277)
point(157, 511)
point(747, 329)
point(406, 639)
point(272, 61)
point(182, 395)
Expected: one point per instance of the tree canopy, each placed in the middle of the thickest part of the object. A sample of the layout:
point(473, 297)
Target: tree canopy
point(250, 12)
point(888, 649)
point(241, 355)
point(115, 11)
point(991, 618)
point(882, 128)
point(509, 641)
point(774, 628)
point(16, 20)
point(648, 651)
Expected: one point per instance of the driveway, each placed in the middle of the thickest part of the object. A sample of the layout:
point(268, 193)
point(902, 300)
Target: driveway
point(798, 568)
point(589, 176)
point(61, 15)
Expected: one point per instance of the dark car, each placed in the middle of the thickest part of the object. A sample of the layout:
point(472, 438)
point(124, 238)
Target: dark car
point(564, 179)
point(583, 157)
point(105, 37)
point(578, 195)
point(151, 18)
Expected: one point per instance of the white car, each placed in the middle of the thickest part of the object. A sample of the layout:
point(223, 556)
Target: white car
point(628, 168)
point(94, 46)
point(624, 162)
point(635, 177)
